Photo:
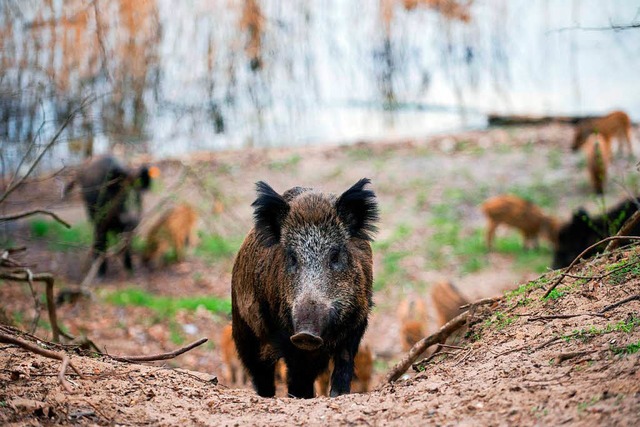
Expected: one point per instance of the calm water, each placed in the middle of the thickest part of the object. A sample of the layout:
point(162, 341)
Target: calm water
point(168, 77)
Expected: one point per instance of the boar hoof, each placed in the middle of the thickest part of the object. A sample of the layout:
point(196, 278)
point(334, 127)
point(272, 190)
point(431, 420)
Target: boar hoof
point(306, 341)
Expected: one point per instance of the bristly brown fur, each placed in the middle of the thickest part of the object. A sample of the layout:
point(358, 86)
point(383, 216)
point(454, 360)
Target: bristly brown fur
point(302, 286)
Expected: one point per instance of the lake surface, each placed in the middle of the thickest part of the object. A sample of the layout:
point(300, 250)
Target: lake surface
point(169, 77)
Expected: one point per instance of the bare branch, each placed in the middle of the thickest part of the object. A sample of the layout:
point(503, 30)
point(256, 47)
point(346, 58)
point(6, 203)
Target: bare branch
point(51, 308)
point(161, 356)
point(619, 303)
point(419, 347)
point(561, 316)
point(577, 259)
point(611, 27)
point(8, 339)
point(53, 140)
point(34, 212)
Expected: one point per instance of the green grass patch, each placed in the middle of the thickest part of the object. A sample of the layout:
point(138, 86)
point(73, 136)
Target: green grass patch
point(561, 291)
point(537, 260)
point(285, 164)
point(61, 238)
point(214, 247)
point(526, 288)
point(582, 406)
point(629, 349)
point(391, 270)
point(625, 326)
point(175, 333)
point(167, 306)
point(622, 271)
point(499, 320)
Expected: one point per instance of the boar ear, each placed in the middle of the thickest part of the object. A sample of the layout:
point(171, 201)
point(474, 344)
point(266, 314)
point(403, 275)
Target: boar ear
point(144, 178)
point(358, 210)
point(580, 215)
point(270, 209)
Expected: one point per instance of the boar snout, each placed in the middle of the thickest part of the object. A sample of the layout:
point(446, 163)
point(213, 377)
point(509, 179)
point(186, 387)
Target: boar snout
point(307, 341)
point(309, 322)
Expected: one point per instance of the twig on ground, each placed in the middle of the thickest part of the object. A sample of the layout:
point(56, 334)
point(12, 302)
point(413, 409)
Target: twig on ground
point(420, 366)
point(567, 356)
point(419, 347)
point(8, 339)
point(546, 343)
point(560, 316)
point(34, 212)
point(577, 259)
point(619, 303)
point(482, 301)
point(161, 356)
point(511, 351)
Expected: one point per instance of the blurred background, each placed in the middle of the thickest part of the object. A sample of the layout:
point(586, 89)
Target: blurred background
point(166, 77)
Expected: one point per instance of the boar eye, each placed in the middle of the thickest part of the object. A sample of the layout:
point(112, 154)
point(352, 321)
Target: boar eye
point(291, 260)
point(336, 259)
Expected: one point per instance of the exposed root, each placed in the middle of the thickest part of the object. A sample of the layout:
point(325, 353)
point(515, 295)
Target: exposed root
point(8, 339)
point(161, 356)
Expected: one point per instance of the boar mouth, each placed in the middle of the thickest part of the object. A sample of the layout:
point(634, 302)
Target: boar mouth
point(306, 341)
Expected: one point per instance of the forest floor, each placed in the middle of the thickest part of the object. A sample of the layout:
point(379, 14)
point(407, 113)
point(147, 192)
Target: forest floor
point(431, 229)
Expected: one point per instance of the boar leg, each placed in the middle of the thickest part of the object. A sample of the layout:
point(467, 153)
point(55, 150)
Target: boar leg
point(302, 370)
point(128, 264)
point(262, 371)
point(491, 231)
point(343, 360)
point(100, 247)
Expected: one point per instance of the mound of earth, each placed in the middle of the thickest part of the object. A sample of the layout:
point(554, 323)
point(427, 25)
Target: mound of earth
point(570, 358)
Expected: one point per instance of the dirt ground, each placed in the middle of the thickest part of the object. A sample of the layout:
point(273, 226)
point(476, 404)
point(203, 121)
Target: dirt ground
point(504, 375)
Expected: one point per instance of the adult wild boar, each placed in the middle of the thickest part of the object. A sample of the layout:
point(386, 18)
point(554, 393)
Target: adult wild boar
point(112, 194)
point(583, 231)
point(302, 286)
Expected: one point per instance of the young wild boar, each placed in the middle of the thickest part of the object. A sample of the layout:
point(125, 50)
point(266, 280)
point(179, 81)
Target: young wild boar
point(598, 150)
point(302, 286)
point(583, 231)
point(112, 194)
point(447, 300)
point(412, 314)
point(363, 370)
point(614, 125)
point(175, 229)
point(235, 373)
point(521, 214)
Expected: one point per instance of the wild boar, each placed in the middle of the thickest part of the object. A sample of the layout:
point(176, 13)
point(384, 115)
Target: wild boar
point(112, 194)
point(447, 300)
point(176, 229)
point(521, 214)
point(235, 373)
point(302, 286)
point(363, 370)
point(412, 314)
point(598, 151)
point(614, 125)
point(583, 231)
